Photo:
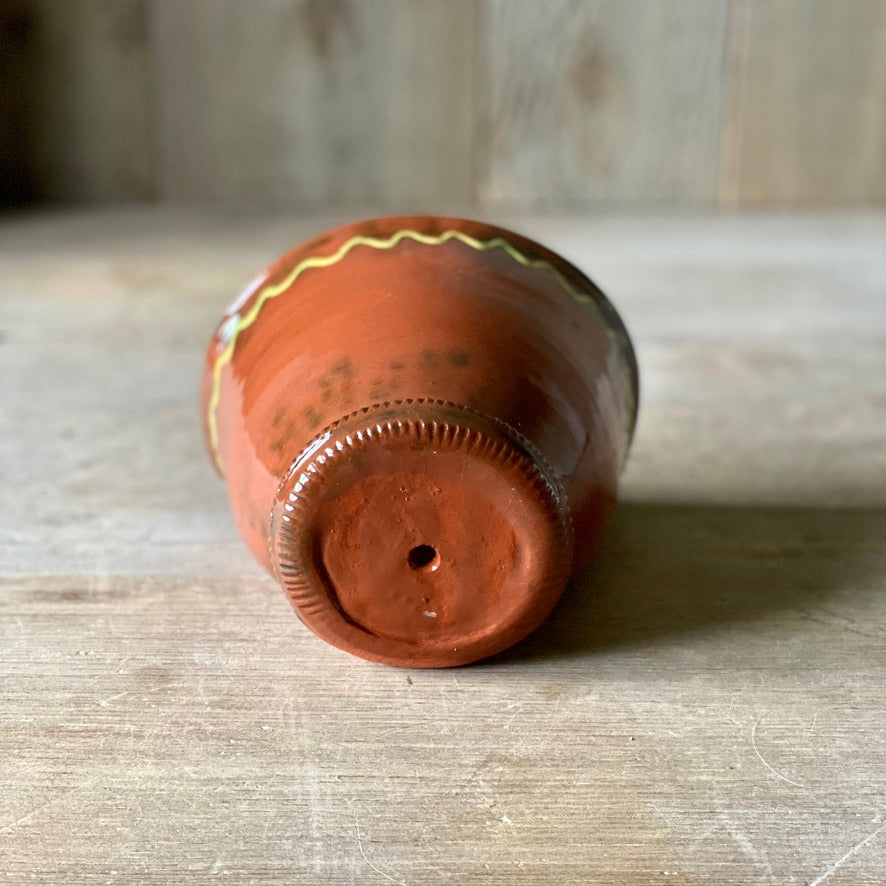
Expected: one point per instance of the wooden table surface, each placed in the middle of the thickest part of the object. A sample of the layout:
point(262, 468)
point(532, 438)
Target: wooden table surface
point(706, 706)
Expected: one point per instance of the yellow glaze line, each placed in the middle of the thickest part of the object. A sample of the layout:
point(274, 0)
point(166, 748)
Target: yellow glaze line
point(324, 261)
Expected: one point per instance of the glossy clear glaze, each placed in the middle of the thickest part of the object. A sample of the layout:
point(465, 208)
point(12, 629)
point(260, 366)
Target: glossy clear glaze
point(430, 385)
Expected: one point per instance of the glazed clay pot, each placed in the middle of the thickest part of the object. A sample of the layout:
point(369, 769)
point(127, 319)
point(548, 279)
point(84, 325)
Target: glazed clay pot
point(421, 422)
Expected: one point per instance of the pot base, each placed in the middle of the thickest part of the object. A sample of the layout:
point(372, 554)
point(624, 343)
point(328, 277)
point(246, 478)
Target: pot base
point(421, 534)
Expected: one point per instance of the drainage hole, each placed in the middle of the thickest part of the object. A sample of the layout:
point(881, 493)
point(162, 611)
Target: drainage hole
point(423, 558)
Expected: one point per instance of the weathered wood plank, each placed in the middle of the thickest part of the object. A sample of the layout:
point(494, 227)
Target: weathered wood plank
point(309, 103)
point(806, 116)
point(88, 135)
point(705, 707)
point(583, 103)
point(399, 105)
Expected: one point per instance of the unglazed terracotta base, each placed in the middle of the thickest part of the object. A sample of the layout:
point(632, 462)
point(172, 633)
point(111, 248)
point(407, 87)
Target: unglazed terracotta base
point(421, 422)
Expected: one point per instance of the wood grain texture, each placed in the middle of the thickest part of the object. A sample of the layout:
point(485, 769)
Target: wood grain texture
point(806, 113)
point(705, 707)
point(398, 105)
point(311, 103)
point(583, 103)
point(88, 136)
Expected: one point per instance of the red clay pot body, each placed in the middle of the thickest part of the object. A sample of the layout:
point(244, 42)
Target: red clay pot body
point(421, 422)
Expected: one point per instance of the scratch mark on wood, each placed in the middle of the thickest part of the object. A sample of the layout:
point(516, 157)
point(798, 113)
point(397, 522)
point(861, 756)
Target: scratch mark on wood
point(772, 769)
point(405, 726)
point(741, 839)
point(842, 860)
point(362, 853)
point(103, 703)
point(55, 801)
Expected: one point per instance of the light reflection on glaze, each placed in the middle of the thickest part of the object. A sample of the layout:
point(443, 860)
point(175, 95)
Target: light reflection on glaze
point(234, 324)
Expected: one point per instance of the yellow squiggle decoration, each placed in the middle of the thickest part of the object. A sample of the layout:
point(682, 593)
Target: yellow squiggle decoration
point(324, 261)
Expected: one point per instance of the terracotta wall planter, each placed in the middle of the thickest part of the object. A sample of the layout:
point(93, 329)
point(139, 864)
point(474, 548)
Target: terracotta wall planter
point(421, 422)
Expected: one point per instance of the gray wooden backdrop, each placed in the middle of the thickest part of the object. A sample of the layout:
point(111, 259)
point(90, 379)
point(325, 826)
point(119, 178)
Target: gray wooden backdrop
point(419, 104)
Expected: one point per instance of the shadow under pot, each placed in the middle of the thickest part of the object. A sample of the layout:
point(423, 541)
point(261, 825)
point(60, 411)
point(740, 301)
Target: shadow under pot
point(421, 422)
